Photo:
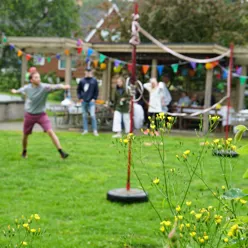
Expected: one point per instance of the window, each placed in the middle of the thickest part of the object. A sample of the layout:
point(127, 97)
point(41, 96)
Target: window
point(62, 64)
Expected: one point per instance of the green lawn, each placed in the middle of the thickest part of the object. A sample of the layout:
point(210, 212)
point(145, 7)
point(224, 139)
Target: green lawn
point(70, 195)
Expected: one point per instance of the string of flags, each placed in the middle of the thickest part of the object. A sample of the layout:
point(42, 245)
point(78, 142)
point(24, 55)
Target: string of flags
point(100, 59)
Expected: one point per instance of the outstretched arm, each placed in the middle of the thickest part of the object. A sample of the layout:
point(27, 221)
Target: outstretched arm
point(19, 91)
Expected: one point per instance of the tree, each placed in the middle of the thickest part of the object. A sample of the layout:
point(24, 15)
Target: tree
point(196, 20)
point(39, 18)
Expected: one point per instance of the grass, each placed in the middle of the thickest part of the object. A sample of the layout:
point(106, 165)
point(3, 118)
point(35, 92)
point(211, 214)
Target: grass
point(70, 195)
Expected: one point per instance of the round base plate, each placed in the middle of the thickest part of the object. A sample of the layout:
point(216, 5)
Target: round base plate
point(224, 153)
point(127, 196)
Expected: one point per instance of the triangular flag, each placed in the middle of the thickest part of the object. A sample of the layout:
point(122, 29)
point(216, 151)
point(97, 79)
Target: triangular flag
point(239, 70)
point(48, 59)
point(19, 53)
point(184, 72)
point(102, 58)
point(39, 59)
point(58, 56)
point(174, 67)
point(95, 63)
point(242, 80)
point(224, 74)
point(5, 39)
point(11, 46)
point(116, 63)
point(199, 66)
point(28, 57)
point(145, 68)
point(193, 65)
point(90, 51)
point(160, 69)
point(79, 50)
point(67, 52)
point(129, 67)
point(79, 42)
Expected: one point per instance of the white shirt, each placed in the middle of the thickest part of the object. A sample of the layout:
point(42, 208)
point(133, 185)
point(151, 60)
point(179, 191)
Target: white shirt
point(156, 95)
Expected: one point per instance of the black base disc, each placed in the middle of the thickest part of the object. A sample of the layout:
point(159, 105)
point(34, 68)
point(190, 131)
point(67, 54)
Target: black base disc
point(127, 196)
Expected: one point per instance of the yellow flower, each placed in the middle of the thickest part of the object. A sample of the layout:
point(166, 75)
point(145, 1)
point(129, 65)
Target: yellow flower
point(218, 219)
point(205, 237)
point(234, 148)
point(156, 181)
point(24, 243)
point(229, 139)
point(206, 143)
point(170, 118)
point(192, 212)
point(33, 230)
point(37, 217)
point(218, 106)
point(201, 240)
point(180, 217)
point(230, 234)
point(181, 227)
point(176, 219)
point(242, 201)
point(187, 225)
point(167, 223)
point(188, 203)
point(39, 229)
point(172, 170)
point(225, 240)
point(198, 216)
point(210, 207)
point(216, 141)
point(121, 140)
point(162, 229)
point(187, 152)
point(214, 118)
point(178, 208)
point(125, 141)
point(149, 117)
point(223, 187)
point(152, 126)
point(25, 225)
point(192, 234)
point(234, 228)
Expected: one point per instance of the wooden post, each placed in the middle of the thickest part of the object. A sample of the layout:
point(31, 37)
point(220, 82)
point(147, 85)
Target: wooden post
point(241, 93)
point(109, 80)
point(24, 70)
point(207, 98)
point(68, 69)
point(154, 68)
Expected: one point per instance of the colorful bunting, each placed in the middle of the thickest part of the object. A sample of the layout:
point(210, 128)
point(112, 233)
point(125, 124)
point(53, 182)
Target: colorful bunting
point(160, 69)
point(28, 57)
point(224, 75)
point(242, 80)
point(89, 52)
point(174, 67)
point(117, 69)
point(67, 52)
point(208, 66)
point(145, 68)
point(79, 50)
point(193, 65)
point(95, 63)
point(192, 72)
point(239, 70)
point(48, 59)
point(103, 66)
point(102, 58)
point(116, 63)
point(11, 46)
point(79, 42)
point(184, 72)
point(19, 53)
point(4, 39)
point(58, 56)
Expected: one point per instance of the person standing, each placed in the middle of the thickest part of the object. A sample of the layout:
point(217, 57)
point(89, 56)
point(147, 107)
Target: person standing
point(121, 109)
point(156, 100)
point(36, 95)
point(87, 92)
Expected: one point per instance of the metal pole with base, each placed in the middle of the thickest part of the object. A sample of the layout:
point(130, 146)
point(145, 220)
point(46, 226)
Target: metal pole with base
point(129, 195)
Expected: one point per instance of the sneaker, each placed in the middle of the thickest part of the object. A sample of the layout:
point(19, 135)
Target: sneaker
point(64, 155)
point(84, 132)
point(95, 133)
point(118, 135)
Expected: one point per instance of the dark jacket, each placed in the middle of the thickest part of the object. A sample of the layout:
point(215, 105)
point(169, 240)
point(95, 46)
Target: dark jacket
point(122, 107)
point(90, 92)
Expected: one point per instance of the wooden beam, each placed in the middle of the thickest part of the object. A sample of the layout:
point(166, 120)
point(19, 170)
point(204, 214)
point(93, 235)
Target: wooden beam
point(207, 98)
point(154, 68)
point(24, 70)
point(241, 90)
point(68, 69)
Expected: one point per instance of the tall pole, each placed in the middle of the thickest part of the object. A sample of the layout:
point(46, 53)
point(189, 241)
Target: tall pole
point(133, 79)
point(229, 85)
